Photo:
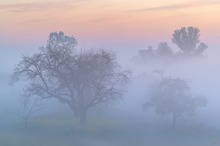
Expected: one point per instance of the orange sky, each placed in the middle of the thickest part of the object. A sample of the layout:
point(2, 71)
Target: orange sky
point(102, 20)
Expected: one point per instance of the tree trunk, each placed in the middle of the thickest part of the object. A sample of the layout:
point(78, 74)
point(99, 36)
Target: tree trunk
point(83, 118)
point(79, 113)
point(174, 120)
point(25, 123)
point(76, 113)
point(75, 109)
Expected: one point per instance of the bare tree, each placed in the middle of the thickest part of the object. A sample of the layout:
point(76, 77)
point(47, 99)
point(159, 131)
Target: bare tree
point(83, 80)
point(173, 97)
point(29, 106)
point(187, 39)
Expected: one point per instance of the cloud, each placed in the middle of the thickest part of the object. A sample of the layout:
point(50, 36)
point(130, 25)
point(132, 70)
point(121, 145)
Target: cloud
point(39, 6)
point(25, 6)
point(178, 6)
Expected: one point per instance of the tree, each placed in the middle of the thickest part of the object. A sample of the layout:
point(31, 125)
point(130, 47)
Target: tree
point(187, 39)
point(146, 53)
point(83, 80)
point(164, 50)
point(173, 97)
point(29, 107)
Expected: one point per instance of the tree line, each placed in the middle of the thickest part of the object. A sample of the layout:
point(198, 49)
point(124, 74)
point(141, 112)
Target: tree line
point(187, 41)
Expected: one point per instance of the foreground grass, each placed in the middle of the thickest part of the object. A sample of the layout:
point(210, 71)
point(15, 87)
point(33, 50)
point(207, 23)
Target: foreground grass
point(57, 130)
point(64, 130)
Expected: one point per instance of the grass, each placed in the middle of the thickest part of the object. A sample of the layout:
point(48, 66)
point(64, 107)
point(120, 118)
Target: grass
point(68, 125)
point(64, 130)
point(57, 130)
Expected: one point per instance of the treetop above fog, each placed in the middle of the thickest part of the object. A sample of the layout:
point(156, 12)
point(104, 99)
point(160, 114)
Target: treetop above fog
point(187, 40)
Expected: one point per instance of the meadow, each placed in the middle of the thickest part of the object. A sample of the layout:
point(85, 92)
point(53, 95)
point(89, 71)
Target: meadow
point(57, 130)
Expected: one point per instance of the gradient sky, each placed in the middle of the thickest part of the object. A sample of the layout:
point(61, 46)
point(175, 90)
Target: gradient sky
point(105, 23)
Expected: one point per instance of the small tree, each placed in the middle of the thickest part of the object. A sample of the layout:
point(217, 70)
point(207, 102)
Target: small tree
point(173, 97)
point(83, 80)
point(164, 50)
point(187, 39)
point(146, 53)
point(29, 107)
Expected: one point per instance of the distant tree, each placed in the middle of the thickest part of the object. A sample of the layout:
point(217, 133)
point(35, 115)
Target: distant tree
point(145, 53)
point(83, 80)
point(164, 50)
point(200, 49)
point(187, 39)
point(162, 53)
point(29, 107)
point(173, 97)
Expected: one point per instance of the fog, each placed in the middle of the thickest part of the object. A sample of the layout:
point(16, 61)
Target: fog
point(124, 122)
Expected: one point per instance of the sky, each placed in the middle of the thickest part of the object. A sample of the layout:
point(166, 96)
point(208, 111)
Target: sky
point(119, 24)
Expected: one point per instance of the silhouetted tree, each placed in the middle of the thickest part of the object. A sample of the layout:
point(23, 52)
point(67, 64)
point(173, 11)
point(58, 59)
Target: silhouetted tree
point(83, 80)
point(173, 97)
point(187, 39)
point(164, 50)
point(29, 107)
point(145, 53)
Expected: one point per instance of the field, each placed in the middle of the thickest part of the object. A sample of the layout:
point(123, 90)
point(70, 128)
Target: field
point(64, 130)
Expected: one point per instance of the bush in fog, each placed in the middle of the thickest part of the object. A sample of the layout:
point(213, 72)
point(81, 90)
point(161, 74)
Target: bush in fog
point(83, 80)
point(173, 96)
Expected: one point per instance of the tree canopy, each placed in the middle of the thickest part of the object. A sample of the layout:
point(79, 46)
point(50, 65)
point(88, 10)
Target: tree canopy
point(187, 39)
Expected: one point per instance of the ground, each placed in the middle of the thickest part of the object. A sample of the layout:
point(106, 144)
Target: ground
point(64, 130)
